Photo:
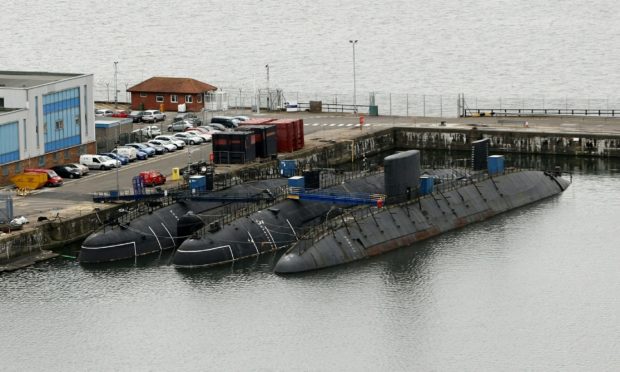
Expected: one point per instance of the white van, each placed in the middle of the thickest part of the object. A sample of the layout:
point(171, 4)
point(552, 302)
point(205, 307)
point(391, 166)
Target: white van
point(98, 162)
point(127, 151)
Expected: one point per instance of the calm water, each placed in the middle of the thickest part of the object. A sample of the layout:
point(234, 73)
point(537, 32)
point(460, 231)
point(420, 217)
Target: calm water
point(490, 48)
point(534, 289)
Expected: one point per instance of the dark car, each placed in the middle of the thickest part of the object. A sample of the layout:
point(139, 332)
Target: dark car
point(227, 121)
point(136, 116)
point(67, 172)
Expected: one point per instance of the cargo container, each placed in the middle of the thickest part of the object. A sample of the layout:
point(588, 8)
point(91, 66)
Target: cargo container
point(256, 121)
point(265, 139)
point(288, 142)
point(285, 129)
point(233, 147)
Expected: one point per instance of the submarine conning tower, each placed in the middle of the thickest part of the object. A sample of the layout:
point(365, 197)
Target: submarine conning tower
point(402, 175)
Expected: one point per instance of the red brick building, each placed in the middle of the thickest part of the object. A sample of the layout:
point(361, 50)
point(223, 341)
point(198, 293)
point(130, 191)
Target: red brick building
point(167, 93)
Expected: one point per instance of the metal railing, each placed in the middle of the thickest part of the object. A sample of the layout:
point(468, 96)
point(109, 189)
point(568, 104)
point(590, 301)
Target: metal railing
point(539, 112)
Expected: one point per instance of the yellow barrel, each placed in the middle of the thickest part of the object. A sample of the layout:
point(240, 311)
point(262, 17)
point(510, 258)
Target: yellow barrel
point(175, 174)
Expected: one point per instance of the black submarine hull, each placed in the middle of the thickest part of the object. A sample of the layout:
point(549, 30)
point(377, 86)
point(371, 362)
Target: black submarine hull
point(365, 233)
point(165, 228)
point(266, 230)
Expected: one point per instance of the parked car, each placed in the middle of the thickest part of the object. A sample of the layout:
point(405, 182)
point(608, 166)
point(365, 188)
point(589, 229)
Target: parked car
point(241, 117)
point(98, 162)
point(204, 129)
point(169, 146)
point(67, 172)
point(177, 142)
point(206, 137)
point(80, 167)
point(127, 151)
point(144, 148)
point(120, 114)
point(152, 178)
point(103, 112)
point(159, 149)
point(179, 126)
point(226, 121)
point(216, 126)
point(152, 116)
point(53, 179)
point(148, 132)
point(136, 116)
point(189, 138)
point(189, 117)
point(123, 159)
point(117, 163)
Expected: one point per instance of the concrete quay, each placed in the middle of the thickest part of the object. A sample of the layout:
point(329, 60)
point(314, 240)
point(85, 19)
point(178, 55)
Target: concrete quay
point(66, 214)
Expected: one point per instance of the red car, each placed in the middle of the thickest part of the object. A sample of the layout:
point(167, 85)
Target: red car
point(152, 178)
point(120, 114)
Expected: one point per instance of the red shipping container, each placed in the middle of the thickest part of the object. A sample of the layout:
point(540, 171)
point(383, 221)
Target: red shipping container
point(285, 129)
point(256, 121)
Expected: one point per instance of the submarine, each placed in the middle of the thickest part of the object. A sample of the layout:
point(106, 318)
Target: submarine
point(418, 208)
point(274, 228)
point(167, 227)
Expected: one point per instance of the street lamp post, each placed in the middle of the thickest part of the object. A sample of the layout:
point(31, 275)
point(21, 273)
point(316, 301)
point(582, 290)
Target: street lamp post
point(115, 88)
point(118, 188)
point(353, 42)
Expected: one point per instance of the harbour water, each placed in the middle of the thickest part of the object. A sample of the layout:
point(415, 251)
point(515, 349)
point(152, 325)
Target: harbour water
point(534, 289)
point(490, 48)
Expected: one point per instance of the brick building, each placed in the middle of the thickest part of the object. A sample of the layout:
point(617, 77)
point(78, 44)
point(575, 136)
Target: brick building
point(167, 93)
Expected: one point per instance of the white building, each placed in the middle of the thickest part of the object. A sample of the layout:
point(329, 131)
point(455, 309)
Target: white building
point(46, 119)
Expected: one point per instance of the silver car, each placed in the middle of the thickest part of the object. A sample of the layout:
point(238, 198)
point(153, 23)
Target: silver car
point(152, 116)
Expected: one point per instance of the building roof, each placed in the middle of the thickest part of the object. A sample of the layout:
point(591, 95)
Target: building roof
point(158, 84)
point(28, 79)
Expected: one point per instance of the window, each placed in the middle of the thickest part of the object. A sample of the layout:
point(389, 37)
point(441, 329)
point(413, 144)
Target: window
point(55, 157)
point(60, 124)
point(5, 170)
point(142, 94)
point(18, 167)
point(67, 155)
point(188, 99)
point(41, 161)
point(1, 101)
point(174, 98)
point(159, 98)
point(200, 98)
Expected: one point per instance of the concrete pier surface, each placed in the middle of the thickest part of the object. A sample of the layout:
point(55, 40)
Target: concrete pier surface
point(565, 135)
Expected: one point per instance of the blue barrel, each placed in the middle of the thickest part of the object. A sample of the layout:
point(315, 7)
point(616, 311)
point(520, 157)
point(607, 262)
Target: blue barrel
point(426, 185)
point(288, 168)
point(198, 183)
point(495, 164)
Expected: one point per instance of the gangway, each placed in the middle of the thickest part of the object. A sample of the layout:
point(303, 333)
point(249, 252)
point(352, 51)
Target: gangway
point(337, 198)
